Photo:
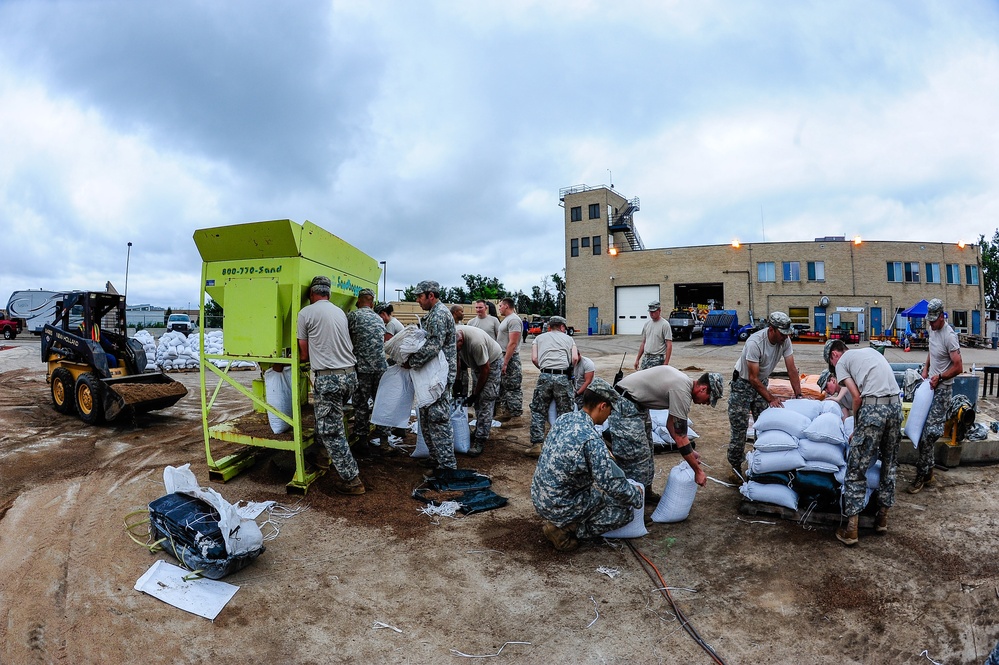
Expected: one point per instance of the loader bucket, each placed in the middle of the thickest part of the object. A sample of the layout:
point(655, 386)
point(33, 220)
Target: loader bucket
point(141, 393)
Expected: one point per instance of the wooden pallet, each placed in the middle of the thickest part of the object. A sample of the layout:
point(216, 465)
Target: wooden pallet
point(761, 509)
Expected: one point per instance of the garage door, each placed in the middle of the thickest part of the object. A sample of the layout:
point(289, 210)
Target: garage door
point(632, 307)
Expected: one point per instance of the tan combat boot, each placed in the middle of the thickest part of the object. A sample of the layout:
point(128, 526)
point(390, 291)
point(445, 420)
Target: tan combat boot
point(563, 538)
point(352, 486)
point(881, 521)
point(848, 534)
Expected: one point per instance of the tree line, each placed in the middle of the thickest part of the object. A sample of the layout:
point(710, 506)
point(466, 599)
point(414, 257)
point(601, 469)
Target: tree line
point(545, 299)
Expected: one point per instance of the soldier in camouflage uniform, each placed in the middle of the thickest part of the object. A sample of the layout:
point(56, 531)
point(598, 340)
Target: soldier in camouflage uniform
point(877, 412)
point(661, 387)
point(324, 342)
point(367, 333)
point(577, 488)
point(511, 400)
point(435, 419)
point(749, 393)
point(942, 364)
point(554, 353)
point(483, 357)
point(657, 340)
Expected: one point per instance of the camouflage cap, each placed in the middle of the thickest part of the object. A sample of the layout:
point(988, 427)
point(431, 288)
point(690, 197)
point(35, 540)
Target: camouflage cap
point(716, 382)
point(380, 307)
point(824, 379)
point(934, 309)
point(557, 321)
point(321, 280)
point(654, 306)
point(780, 321)
point(428, 286)
point(827, 351)
point(365, 292)
point(604, 389)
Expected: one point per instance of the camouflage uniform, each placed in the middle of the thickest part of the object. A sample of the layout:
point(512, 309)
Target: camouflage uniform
point(550, 387)
point(511, 397)
point(934, 428)
point(875, 435)
point(577, 482)
point(330, 394)
point(742, 400)
point(630, 442)
point(367, 333)
point(487, 400)
point(652, 360)
point(435, 419)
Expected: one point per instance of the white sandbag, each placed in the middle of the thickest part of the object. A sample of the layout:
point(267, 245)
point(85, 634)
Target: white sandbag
point(775, 493)
point(636, 527)
point(660, 433)
point(552, 413)
point(774, 440)
point(874, 475)
point(831, 406)
point(820, 451)
point(394, 399)
point(459, 423)
point(921, 402)
point(462, 438)
point(678, 497)
point(840, 474)
point(821, 467)
point(277, 390)
point(810, 408)
point(785, 420)
point(848, 427)
point(828, 427)
point(780, 460)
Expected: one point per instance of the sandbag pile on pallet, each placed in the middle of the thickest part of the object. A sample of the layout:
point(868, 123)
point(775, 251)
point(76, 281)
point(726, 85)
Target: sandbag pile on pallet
point(214, 347)
point(799, 457)
point(174, 351)
point(148, 343)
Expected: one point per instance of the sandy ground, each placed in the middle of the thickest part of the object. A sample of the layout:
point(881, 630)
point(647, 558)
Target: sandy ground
point(756, 590)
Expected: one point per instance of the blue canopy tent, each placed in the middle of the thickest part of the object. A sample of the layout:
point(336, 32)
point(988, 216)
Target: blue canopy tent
point(917, 311)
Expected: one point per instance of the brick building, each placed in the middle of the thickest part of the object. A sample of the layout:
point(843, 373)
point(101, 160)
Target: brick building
point(831, 282)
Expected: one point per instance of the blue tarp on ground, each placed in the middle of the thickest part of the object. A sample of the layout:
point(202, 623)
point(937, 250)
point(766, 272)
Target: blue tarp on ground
point(916, 311)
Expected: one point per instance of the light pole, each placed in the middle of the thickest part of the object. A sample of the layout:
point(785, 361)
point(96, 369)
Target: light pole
point(384, 265)
point(128, 255)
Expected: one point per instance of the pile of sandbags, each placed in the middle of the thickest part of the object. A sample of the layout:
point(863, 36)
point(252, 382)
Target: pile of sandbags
point(174, 352)
point(660, 433)
point(799, 456)
point(148, 343)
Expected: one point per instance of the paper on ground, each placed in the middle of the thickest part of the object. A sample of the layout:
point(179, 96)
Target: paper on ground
point(203, 597)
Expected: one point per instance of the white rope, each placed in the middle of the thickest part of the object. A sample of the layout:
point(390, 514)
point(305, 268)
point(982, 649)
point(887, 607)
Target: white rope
point(927, 654)
point(722, 482)
point(488, 655)
point(379, 624)
point(755, 521)
point(594, 611)
point(445, 509)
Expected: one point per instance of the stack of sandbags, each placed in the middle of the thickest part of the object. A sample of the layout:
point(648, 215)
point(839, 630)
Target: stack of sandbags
point(149, 347)
point(799, 456)
point(174, 352)
point(214, 347)
point(660, 433)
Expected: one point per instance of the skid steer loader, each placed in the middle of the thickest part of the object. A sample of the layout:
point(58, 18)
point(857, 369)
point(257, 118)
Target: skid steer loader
point(94, 368)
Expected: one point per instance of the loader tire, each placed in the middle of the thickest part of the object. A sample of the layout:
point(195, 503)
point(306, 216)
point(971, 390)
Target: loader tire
point(62, 391)
point(90, 399)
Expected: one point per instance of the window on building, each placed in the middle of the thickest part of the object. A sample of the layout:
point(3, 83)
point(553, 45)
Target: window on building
point(576, 214)
point(798, 314)
point(766, 271)
point(895, 273)
point(596, 245)
point(932, 273)
point(594, 211)
point(912, 272)
point(585, 242)
point(971, 275)
point(816, 271)
point(574, 247)
point(953, 273)
point(792, 271)
point(960, 319)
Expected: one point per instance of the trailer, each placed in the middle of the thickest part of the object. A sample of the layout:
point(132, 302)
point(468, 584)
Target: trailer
point(32, 309)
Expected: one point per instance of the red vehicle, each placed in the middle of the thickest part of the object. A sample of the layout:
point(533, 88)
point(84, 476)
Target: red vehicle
point(9, 328)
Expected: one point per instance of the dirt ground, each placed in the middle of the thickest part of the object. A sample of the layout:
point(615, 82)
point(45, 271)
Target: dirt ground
point(755, 589)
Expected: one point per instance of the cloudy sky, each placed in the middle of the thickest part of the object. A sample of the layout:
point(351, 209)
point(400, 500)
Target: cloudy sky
point(436, 135)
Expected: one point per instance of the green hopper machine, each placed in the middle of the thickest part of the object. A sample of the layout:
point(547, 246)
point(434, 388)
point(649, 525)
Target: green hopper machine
point(259, 273)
